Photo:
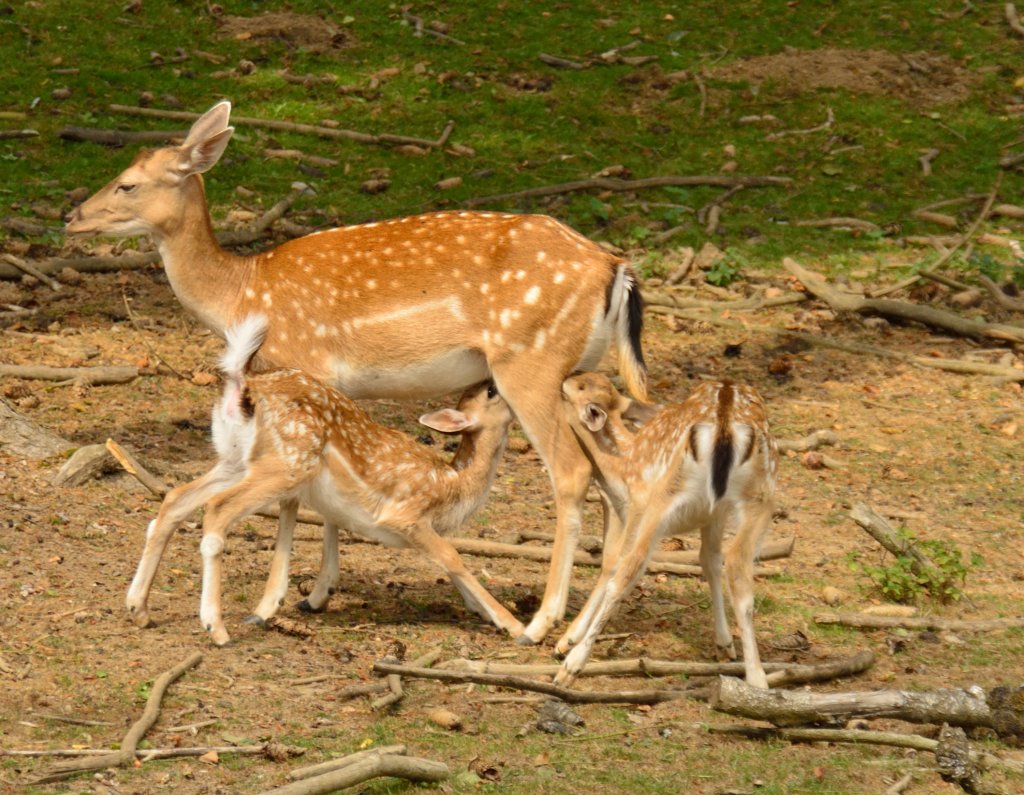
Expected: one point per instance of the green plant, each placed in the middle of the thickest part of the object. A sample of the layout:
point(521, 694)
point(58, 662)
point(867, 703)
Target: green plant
point(904, 580)
point(727, 270)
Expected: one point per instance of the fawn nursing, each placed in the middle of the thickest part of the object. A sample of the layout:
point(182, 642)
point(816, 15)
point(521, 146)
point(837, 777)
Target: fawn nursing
point(408, 307)
point(285, 436)
point(708, 463)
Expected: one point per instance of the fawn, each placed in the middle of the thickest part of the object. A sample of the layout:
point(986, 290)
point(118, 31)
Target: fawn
point(708, 463)
point(407, 307)
point(285, 436)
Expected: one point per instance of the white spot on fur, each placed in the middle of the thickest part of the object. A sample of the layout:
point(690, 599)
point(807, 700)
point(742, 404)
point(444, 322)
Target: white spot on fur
point(532, 295)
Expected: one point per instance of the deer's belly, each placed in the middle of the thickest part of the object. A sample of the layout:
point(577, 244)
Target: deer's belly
point(444, 373)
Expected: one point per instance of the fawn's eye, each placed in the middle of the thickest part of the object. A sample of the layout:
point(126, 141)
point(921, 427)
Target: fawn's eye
point(492, 391)
point(124, 187)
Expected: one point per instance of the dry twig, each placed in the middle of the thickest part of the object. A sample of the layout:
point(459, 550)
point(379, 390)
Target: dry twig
point(383, 139)
point(615, 184)
point(126, 752)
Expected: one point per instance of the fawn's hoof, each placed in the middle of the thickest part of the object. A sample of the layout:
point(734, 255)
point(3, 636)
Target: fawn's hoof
point(305, 607)
point(256, 620)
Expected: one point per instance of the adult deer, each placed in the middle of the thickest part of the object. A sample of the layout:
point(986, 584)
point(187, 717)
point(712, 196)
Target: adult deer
point(409, 307)
point(706, 464)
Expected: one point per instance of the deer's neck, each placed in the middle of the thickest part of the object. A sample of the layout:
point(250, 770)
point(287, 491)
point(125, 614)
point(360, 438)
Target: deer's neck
point(476, 464)
point(207, 280)
point(607, 457)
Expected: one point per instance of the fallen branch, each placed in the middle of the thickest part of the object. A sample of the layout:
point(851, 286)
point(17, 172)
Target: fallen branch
point(129, 744)
point(687, 258)
point(755, 302)
point(148, 754)
point(8, 135)
point(33, 271)
point(384, 139)
point(132, 466)
point(810, 442)
point(336, 764)
point(566, 694)
point(950, 365)
point(927, 315)
point(1001, 298)
point(1012, 19)
point(119, 137)
point(495, 549)
point(778, 673)
point(829, 121)
point(71, 375)
point(934, 623)
point(884, 533)
point(926, 161)
point(841, 222)
point(296, 154)
point(618, 185)
point(770, 550)
point(372, 766)
point(394, 681)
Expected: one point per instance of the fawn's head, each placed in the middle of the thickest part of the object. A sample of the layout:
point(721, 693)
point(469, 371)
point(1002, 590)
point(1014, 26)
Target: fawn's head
point(589, 399)
point(146, 196)
point(479, 408)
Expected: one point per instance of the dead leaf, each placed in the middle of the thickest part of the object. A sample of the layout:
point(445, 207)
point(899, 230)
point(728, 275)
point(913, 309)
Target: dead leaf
point(447, 184)
point(200, 378)
point(542, 759)
point(444, 718)
point(211, 758)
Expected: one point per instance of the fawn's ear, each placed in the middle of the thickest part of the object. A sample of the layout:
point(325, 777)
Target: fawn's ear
point(593, 417)
point(639, 412)
point(448, 421)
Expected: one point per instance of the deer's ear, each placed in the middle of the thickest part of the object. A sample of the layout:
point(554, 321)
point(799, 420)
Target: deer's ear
point(447, 421)
point(201, 156)
point(593, 417)
point(214, 121)
point(638, 412)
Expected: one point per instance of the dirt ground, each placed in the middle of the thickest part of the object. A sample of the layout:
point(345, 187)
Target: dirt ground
point(940, 453)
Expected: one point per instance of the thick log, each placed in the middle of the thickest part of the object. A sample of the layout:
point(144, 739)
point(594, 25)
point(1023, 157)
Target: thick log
point(997, 710)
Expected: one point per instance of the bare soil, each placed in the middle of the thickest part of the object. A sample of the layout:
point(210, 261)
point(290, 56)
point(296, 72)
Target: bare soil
point(918, 78)
point(942, 451)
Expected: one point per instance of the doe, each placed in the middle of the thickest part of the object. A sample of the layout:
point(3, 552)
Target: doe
point(408, 307)
point(285, 436)
point(708, 463)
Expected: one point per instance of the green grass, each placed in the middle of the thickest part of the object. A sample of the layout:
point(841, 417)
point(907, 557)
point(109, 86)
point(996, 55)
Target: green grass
point(586, 121)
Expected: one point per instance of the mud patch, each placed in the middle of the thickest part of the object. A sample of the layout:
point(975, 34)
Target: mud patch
point(920, 78)
point(297, 30)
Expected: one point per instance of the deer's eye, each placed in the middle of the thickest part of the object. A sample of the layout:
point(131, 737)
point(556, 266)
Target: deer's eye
point(492, 391)
point(124, 187)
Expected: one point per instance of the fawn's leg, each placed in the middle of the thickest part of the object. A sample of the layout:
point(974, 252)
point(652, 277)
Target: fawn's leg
point(329, 577)
point(277, 581)
point(179, 503)
point(753, 519)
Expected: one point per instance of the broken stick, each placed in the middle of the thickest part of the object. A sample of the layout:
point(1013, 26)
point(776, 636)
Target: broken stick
point(126, 752)
point(933, 623)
